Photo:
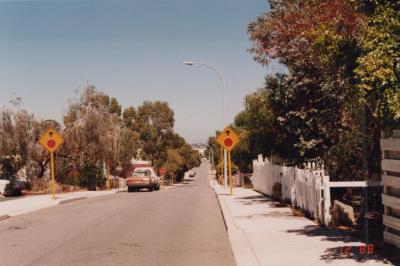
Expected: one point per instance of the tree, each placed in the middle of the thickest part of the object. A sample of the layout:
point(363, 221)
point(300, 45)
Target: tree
point(179, 160)
point(175, 141)
point(10, 146)
point(129, 146)
point(256, 123)
point(174, 163)
point(92, 132)
point(317, 42)
point(242, 156)
point(152, 125)
point(129, 118)
point(378, 78)
point(38, 156)
point(16, 137)
point(325, 107)
point(156, 122)
point(216, 149)
point(191, 159)
point(379, 65)
point(156, 114)
point(114, 107)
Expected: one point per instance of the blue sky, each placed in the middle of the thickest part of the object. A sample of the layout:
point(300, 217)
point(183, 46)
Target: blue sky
point(132, 50)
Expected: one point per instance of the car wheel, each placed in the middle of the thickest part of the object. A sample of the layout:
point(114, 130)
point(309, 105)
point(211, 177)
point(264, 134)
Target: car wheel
point(151, 189)
point(129, 189)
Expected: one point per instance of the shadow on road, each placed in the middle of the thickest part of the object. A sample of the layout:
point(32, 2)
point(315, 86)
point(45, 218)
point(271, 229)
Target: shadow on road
point(141, 190)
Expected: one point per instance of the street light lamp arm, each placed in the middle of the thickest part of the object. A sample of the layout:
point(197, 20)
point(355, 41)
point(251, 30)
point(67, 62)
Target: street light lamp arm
point(221, 77)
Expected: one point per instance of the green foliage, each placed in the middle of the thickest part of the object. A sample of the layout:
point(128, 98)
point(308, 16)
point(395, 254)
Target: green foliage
point(342, 86)
point(254, 126)
point(181, 160)
point(212, 144)
point(174, 163)
point(114, 107)
point(15, 127)
point(93, 136)
point(191, 157)
point(100, 139)
point(256, 123)
point(156, 114)
point(129, 117)
point(128, 149)
point(242, 156)
point(156, 121)
point(152, 125)
point(216, 151)
point(91, 176)
point(379, 65)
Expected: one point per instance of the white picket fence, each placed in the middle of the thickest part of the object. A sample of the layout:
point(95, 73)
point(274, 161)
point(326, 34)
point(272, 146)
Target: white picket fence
point(308, 189)
point(302, 188)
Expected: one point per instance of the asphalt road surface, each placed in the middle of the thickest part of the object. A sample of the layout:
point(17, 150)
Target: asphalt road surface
point(178, 226)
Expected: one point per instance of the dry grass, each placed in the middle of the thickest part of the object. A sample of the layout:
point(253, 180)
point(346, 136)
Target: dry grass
point(298, 212)
point(39, 187)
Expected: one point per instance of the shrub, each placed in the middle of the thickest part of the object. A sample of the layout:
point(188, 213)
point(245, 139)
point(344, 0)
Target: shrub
point(10, 190)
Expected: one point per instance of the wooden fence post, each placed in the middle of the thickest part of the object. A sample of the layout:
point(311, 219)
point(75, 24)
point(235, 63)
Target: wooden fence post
point(327, 200)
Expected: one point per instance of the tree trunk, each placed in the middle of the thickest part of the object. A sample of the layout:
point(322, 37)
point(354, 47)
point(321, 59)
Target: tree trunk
point(42, 170)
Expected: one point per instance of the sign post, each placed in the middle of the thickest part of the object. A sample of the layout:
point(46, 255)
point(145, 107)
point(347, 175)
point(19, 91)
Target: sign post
point(52, 175)
point(230, 173)
point(228, 139)
point(51, 141)
point(222, 166)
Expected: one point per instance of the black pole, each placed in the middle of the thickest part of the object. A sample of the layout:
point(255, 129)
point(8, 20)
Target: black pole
point(365, 173)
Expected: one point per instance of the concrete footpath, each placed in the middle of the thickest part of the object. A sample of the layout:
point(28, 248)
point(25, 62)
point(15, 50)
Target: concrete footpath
point(262, 233)
point(27, 204)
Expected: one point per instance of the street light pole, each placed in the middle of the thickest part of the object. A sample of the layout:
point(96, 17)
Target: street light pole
point(211, 156)
point(191, 63)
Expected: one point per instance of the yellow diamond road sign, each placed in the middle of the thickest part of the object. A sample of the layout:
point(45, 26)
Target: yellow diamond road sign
point(51, 140)
point(228, 139)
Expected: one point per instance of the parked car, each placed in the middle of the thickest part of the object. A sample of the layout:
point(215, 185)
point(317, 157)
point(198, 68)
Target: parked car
point(6, 180)
point(193, 172)
point(143, 177)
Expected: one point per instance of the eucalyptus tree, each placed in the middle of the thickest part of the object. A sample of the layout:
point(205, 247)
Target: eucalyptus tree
point(155, 122)
point(92, 131)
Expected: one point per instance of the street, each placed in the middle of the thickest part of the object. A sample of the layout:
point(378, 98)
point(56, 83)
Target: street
point(178, 226)
point(200, 133)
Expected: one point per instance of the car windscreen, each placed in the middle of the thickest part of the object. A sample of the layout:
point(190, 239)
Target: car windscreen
point(141, 173)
